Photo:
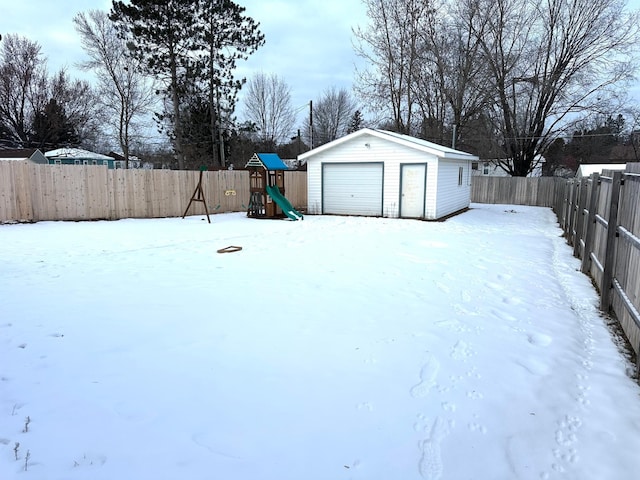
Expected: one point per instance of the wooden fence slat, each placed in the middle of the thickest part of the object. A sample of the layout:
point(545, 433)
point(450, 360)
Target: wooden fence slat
point(591, 220)
point(607, 276)
point(580, 217)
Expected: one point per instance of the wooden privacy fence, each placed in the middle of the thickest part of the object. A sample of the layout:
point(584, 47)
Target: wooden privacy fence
point(538, 191)
point(600, 216)
point(30, 192)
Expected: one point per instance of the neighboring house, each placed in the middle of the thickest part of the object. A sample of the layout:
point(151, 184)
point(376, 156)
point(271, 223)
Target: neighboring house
point(386, 174)
point(586, 169)
point(33, 155)
point(134, 162)
point(491, 168)
point(77, 156)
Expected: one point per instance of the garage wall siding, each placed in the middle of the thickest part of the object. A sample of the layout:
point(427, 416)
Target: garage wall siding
point(451, 196)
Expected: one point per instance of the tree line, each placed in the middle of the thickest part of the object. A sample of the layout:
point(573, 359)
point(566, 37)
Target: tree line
point(508, 80)
point(173, 61)
point(504, 79)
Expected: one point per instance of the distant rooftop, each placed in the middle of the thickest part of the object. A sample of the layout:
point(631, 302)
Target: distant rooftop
point(75, 153)
point(17, 153)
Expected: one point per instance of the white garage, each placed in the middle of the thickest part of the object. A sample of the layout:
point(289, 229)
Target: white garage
point(386, 174)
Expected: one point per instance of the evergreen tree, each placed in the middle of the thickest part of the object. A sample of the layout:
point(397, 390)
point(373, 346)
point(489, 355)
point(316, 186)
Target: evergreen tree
point(356, 122)
point(52, 128)
point(226, 36)
point(191, 46)
point(163, 34)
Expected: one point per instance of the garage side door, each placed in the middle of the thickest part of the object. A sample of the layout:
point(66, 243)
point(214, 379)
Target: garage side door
point(352, 189)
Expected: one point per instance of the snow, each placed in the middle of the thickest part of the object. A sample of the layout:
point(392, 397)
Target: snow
point(332, 348)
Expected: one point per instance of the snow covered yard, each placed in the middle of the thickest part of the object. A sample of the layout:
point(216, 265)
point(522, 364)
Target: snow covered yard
point(333, 348)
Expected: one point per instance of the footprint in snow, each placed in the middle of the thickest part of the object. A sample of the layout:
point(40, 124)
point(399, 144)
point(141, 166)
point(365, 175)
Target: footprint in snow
point(430, 465)
point(365, 406)
point(539, 339)
point(428, 375)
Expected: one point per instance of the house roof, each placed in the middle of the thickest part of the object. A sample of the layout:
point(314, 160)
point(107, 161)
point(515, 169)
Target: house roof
point(412, 142)
point(17, 153)
point(75, 153)
point(120, 156)
point(268, 161)
point(586, 169)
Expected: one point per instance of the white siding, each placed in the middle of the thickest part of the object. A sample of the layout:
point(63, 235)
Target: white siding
point(314, 187)
point(453, 197)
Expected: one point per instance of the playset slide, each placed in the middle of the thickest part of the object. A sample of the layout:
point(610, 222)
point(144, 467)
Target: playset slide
point(285, 205)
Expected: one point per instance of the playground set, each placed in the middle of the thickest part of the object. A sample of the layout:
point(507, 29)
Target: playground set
point(266, 176)
point(267, 200)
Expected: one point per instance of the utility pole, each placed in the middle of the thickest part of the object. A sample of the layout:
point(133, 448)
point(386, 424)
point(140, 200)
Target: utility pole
point(311, 122)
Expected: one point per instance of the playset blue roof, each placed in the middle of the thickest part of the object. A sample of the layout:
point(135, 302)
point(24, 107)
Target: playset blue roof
point(269, 161)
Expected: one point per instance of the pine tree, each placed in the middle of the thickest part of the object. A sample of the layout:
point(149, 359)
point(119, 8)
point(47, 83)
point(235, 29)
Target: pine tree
point(356, 122)
point(192, 47)
point(52, 128)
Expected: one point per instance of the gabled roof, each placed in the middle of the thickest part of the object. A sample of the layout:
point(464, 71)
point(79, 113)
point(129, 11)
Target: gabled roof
point(75, 153)
point(33, 154)
point(429, 147)
point(268, 161)
point(17, 153)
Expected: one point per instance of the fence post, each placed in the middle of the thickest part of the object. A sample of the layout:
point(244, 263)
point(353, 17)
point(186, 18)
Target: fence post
point(610, 255)
point(585, 266)
point(565, 205)
point(581, 203)
point(573, 202)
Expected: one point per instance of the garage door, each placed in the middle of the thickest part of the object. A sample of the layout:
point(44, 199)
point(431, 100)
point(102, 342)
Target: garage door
point(352, 189)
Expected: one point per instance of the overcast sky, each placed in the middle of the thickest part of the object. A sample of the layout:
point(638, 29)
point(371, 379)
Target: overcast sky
point(308, 42)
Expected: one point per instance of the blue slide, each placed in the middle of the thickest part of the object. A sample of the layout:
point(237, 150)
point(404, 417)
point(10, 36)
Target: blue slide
point(285, 205)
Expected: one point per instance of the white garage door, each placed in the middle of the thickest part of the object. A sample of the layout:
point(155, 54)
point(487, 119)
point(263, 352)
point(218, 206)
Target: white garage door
point(352, 189)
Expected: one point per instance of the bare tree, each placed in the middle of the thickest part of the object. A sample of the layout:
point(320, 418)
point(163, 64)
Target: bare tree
point(449, 82)
point(267, 105)
point(38, 110)
point(391, 47)
point(548, 61)
point(332, 115)
point(515, 71)
point(125, 93)
point(80, 102)
point(22, 75)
